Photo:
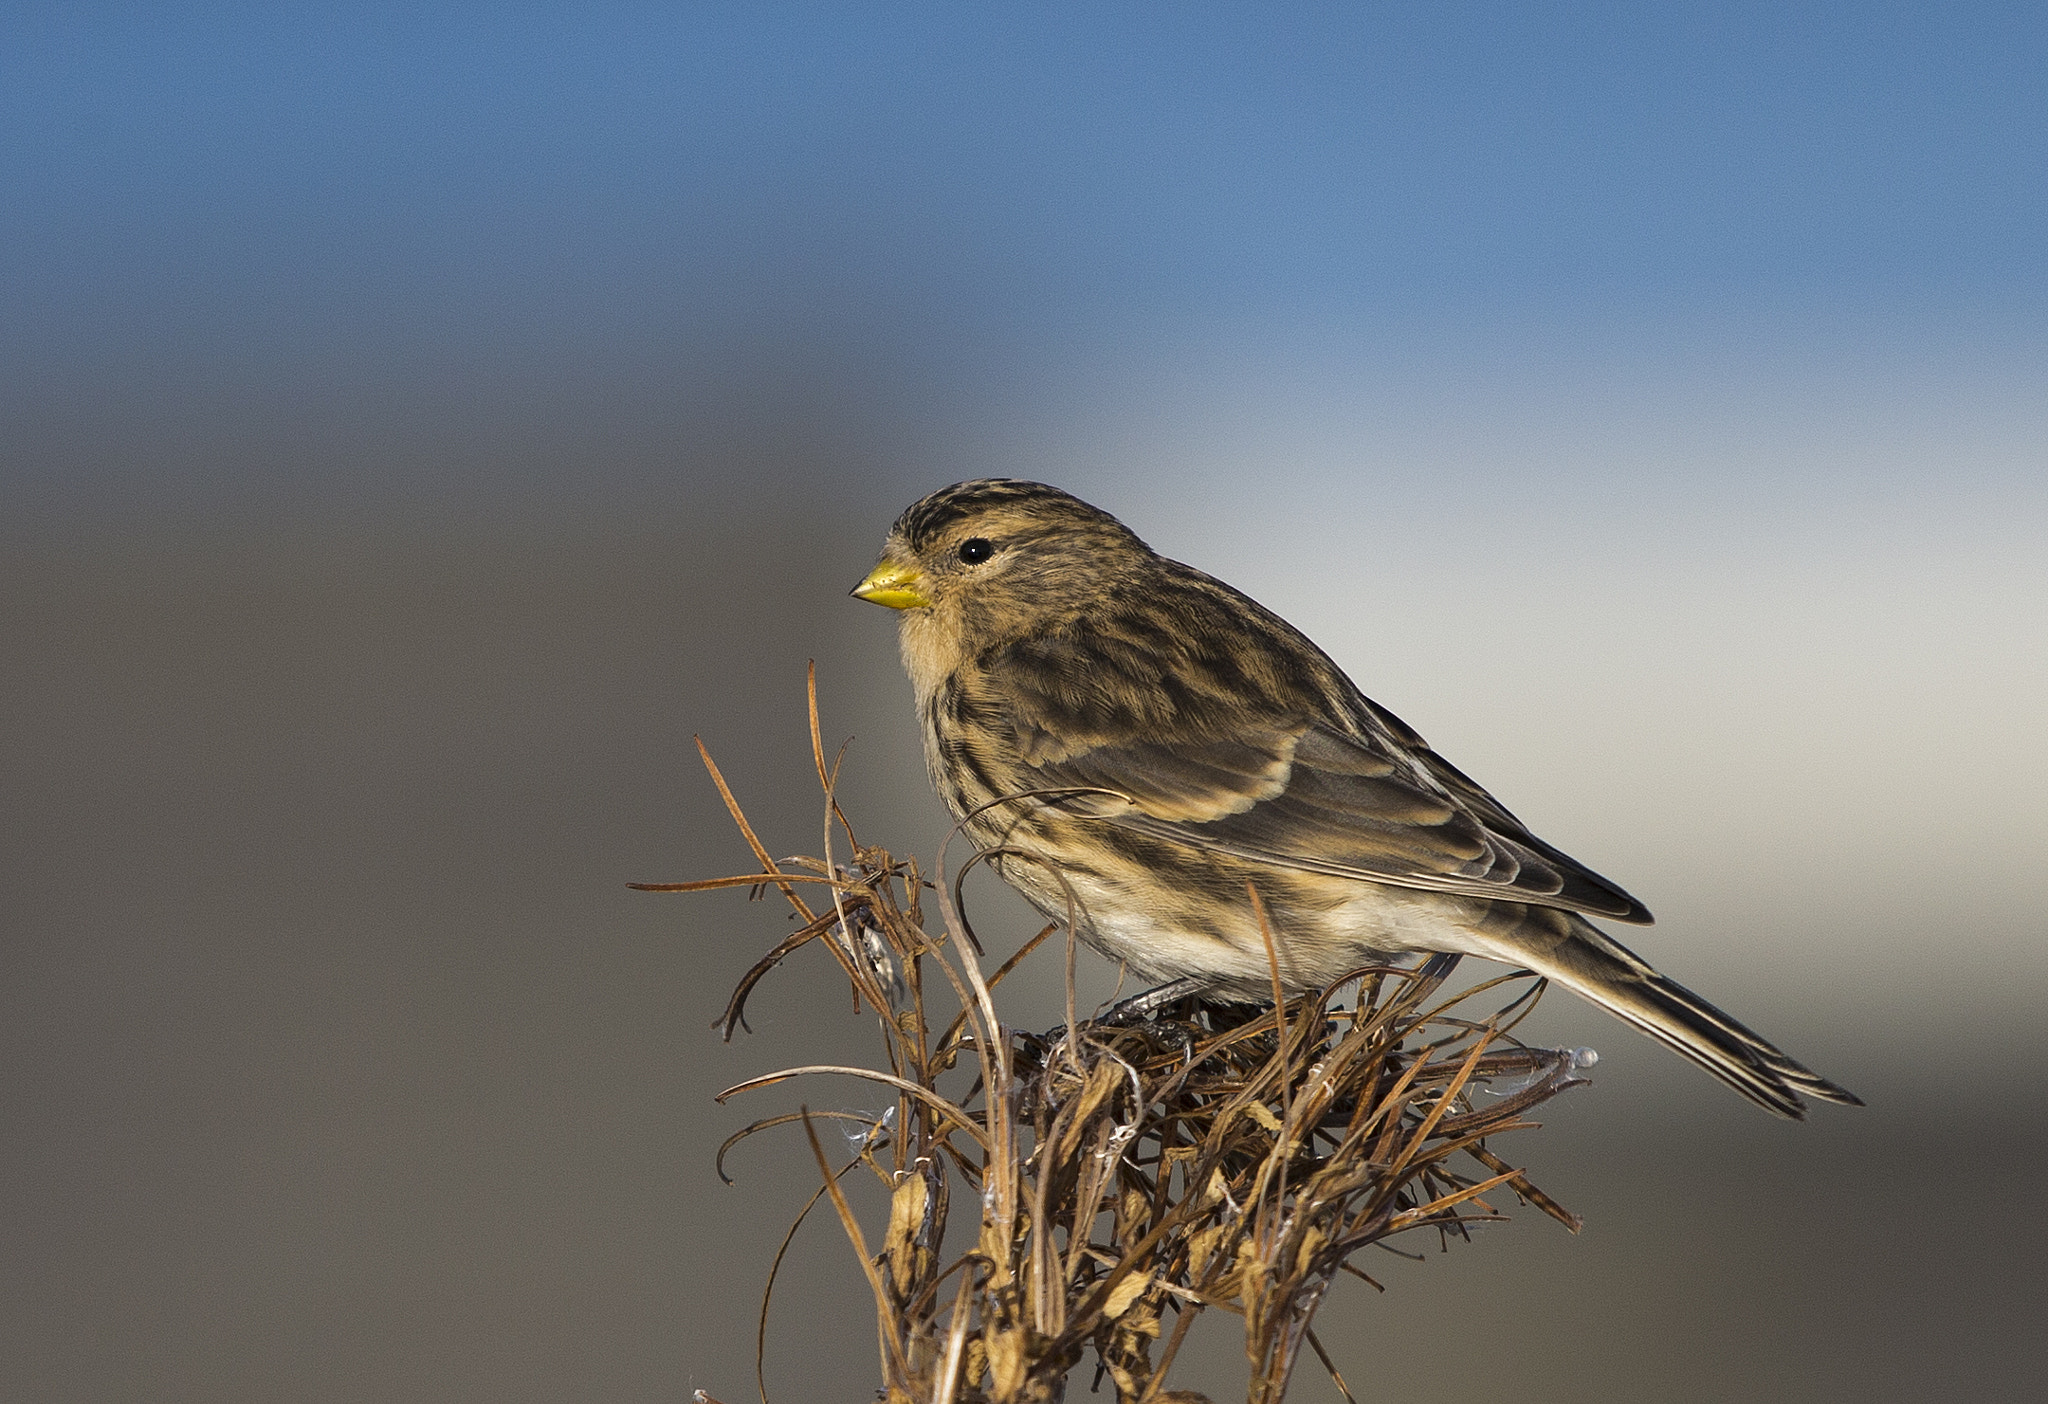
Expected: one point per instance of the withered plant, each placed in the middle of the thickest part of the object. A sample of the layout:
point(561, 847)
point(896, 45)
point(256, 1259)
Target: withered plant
point(1124, 1175)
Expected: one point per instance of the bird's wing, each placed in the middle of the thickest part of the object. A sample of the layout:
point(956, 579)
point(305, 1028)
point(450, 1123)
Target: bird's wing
point(1377, 720)
point(1302, 794)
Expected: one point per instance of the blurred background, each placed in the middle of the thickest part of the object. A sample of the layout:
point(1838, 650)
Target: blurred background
point(416, 424)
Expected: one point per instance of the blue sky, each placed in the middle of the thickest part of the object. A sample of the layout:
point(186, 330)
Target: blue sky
point(287, 177)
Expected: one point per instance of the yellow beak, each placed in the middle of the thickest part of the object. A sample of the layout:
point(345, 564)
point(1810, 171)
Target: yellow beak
point(893, 585)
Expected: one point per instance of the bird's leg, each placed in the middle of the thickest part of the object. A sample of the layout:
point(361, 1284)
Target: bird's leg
point(1143, 1006)
point(1139, 1008)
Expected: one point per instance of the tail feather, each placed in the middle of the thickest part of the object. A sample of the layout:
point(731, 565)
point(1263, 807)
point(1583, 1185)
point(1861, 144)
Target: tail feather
point(1581, 957)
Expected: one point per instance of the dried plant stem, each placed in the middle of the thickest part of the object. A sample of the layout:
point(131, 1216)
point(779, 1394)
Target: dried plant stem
point(1210, 1157)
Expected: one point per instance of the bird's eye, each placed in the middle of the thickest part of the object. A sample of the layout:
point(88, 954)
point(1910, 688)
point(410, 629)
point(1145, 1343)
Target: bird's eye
point(976, 549)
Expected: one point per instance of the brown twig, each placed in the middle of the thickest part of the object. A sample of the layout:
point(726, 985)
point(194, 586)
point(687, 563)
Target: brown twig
point(1214, 1157)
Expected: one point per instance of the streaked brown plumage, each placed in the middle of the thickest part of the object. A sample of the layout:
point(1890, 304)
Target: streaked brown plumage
point(1201, 741)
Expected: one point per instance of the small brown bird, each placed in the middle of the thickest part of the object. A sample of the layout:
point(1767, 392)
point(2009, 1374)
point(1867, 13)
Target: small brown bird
point(1160, 740)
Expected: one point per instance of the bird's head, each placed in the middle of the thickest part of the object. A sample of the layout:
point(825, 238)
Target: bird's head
point(999, 558)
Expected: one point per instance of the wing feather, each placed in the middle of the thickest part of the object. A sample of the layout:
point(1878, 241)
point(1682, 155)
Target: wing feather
point(1314, 803)
point(1249, 741)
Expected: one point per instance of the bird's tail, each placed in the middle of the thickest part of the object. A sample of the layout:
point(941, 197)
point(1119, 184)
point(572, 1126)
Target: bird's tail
point(1571, 951)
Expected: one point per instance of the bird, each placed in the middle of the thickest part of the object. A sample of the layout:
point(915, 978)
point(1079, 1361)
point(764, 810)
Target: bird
point(1179, 773)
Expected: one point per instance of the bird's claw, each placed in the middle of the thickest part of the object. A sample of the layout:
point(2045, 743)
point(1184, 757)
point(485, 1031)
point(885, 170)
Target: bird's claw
point(1147, 1004)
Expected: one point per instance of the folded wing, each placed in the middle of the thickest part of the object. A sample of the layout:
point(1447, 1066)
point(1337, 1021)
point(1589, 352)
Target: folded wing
point(1305, 795)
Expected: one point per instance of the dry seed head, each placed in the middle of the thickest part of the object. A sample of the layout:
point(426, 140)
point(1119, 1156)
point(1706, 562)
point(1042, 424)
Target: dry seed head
point(1212, 1157)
